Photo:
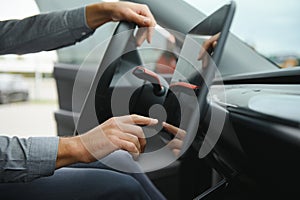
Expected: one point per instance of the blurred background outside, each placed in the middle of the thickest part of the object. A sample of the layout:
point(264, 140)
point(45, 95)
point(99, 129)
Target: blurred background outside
point(34, 115)
point(270, 27)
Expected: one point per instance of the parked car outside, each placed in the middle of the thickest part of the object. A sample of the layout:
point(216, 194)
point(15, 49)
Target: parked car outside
point(13, 88)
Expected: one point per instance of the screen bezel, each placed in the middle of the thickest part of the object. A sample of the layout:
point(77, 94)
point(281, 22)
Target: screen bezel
point(205, 28)
point(216, 56)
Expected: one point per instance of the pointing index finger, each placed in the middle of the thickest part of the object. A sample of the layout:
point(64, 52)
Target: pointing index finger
point(174, 130)
point(139, 120)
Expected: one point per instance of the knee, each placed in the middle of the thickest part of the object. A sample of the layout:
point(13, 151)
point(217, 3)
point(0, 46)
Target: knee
point(121, 161)
point(127, 187)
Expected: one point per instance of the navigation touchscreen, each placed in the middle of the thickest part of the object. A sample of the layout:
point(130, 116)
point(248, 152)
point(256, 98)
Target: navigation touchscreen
point(182, 102)
point(189, 65)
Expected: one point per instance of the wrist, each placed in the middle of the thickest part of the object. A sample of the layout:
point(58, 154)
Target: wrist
point(70, 151)
point(81, 153)
point(98, 14)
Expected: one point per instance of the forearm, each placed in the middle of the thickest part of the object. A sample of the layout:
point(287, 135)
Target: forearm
point(43, 32)
point(64, 28)
point(98, 14)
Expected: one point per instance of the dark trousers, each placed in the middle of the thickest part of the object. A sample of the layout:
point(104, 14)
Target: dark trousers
point(93, 181)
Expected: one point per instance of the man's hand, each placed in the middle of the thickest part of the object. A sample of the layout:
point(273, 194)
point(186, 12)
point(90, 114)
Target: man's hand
point(176, 143)
point(100, 13)
point(114, 134)
point(207, 48)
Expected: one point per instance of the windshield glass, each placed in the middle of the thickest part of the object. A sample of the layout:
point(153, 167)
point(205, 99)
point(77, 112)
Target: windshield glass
point(270, 27)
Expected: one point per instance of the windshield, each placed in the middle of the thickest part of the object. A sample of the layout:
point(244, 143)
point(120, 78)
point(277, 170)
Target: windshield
point(270, 27)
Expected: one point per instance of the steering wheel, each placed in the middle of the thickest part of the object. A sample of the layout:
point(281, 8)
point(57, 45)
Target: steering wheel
point(122, 55)
point(121, 41)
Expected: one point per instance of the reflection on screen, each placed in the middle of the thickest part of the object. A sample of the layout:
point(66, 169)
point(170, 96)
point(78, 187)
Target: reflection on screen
point(189, 67)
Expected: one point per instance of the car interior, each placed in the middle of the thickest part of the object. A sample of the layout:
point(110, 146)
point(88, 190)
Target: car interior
point(243, 127)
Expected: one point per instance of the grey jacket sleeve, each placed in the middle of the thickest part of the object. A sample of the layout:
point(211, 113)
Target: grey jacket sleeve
point(43, 32)
point(22, 160)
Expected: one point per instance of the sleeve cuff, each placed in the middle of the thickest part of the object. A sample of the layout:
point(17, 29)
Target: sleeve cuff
point(77, 24)
point(42, 156)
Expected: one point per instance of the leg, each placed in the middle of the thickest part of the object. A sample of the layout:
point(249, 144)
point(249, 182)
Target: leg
point(124, 161)
point(71, 183)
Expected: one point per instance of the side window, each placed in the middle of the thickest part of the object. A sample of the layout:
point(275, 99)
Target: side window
point(79, 52)
point(27, 63)
point(271, 31)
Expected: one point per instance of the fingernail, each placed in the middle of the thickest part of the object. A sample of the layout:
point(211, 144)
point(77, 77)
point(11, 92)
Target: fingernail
point(164, 123)
point(154, 121)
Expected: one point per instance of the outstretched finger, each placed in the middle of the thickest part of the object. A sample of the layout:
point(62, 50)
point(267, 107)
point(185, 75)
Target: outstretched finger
point(179, 133)
point(138, 119)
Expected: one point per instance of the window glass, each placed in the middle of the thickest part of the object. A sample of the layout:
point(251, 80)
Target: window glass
point(18, 9)
point(270, 27)
point(79, 52)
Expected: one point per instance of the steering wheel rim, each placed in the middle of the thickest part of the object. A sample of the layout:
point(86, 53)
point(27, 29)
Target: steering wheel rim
point(113, 50)
point(121, 39)
point(91, 114)
point(102, 98)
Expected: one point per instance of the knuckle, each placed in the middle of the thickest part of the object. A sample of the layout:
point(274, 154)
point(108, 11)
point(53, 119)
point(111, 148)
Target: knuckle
point(140, 131)
point(112, 121)
point(171, 143)
point(182, 133)
point(131, 147)
point(126, 12)
point(114, 140)
point(135, 139)
point(134, 115)
point(123, 13)
point(145, 6)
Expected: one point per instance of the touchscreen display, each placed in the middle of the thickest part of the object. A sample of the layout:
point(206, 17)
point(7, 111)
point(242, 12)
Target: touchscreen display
point(189, 66)
point(191, 69)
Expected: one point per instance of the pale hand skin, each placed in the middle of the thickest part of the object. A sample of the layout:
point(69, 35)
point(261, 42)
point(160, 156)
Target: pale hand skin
point(114, 134)
point(176, 143)
point(100, 13)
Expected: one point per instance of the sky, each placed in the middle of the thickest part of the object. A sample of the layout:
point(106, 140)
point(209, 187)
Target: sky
point(272, 26)
point(17, 9)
